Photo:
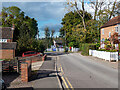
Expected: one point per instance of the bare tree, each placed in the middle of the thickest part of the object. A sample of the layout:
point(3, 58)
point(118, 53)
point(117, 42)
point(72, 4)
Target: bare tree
point(81, 14)
point(52, 33)
point(113, 8)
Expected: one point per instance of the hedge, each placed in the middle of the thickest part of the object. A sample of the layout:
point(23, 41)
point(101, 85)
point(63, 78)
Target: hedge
point(84, 47)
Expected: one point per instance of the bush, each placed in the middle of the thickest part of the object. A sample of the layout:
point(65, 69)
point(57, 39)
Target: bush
point(108, 50)
point(101, 49)
point(86, 46)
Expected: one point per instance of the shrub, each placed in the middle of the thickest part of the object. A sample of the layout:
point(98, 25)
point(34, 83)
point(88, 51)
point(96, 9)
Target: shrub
point(108, 50)
point(101, 49)
point(84, 47)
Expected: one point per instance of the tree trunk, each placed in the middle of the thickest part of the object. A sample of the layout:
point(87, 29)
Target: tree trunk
point(96, 9)
point(113, 8)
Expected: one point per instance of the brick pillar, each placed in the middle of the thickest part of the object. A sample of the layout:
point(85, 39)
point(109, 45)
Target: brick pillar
point(44, 57)
point(29, 66)
point(24, 72)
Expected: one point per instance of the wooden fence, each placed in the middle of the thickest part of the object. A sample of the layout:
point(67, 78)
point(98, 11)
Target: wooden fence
point(104, 55)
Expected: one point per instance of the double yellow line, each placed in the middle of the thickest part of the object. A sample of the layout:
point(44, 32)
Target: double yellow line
point(64, 79)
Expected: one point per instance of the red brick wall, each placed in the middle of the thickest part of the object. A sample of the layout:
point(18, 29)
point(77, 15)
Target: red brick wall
point(7, 54)
point(24, 72)
point(106, 31)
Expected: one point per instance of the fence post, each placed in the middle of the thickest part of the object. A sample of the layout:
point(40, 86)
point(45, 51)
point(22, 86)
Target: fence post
point(17, 65)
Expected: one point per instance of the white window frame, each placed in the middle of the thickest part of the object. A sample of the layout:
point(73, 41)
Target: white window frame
point(103, 31)
point(116, 29)
point(109, 34)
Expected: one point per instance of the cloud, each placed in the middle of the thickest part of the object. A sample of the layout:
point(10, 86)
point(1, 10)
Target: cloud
point(52, 26)
point(41, 10)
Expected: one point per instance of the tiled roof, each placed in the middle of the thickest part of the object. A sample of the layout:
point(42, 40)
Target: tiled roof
point(58, 41)
point(10, 45)
point(6, 32)
point(113, 21)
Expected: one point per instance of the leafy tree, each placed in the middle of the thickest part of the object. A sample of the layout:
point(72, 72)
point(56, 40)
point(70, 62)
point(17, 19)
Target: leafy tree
point(52, 34)
point(70, 21)
point(47, 36)
point(25, 31)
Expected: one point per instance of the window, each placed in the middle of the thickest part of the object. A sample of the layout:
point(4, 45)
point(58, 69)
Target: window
point(103, 31)
point(109, 34)
point(116, 29)
point(103, 39)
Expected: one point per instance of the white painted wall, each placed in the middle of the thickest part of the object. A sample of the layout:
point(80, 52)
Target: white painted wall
point(119, 31)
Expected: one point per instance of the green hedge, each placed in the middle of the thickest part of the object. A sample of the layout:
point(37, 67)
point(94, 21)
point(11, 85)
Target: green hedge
point(107, 50)
point(84, 47)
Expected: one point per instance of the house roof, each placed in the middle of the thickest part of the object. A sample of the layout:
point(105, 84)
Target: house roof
point(113, 21)
point(58, 41)
point(8, 45)
point(6, 33)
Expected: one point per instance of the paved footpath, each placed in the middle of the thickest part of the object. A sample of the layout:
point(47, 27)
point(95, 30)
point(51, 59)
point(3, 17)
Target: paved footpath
point(47, 77)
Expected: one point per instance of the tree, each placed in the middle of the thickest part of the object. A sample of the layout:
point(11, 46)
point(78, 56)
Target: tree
point(74, 3)
point(52, 33)
point(26, 28)
point(70, 20)
point(47, 32)
point(47, 36)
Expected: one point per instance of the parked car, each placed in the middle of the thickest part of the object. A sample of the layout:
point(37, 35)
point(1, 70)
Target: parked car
point(2, 83)
point(30, 53)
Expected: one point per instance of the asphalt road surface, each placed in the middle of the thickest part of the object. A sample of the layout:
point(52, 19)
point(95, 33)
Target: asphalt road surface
point(77, 71)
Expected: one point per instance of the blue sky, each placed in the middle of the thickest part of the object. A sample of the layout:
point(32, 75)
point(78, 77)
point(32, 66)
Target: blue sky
point(46, 13)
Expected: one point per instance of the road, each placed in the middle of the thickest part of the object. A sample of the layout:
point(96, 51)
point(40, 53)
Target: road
point(78, 71)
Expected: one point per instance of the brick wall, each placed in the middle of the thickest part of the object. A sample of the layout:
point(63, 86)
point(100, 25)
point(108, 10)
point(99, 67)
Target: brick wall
point(26, 70)
point(7, 54)
point(106, 31)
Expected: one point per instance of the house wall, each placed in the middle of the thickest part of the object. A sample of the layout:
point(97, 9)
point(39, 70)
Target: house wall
point(7, 54)
point(119, 32)
point(106, 31)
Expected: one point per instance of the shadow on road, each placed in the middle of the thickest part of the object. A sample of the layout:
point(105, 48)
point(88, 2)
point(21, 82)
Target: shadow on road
point(56, 53)
point(8, 77)
point(22, 88)
point(48, 58)
point(44, 74)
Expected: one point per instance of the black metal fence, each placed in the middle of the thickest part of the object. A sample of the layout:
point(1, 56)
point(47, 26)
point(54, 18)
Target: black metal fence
point(12, 65)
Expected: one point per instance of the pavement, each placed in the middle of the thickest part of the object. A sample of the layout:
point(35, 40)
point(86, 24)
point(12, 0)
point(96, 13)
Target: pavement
point(47, 75)
point(71, 70)
point(82, 72)
point(37, 65)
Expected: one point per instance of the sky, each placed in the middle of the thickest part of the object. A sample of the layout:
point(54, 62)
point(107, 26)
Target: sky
point(46, 13)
